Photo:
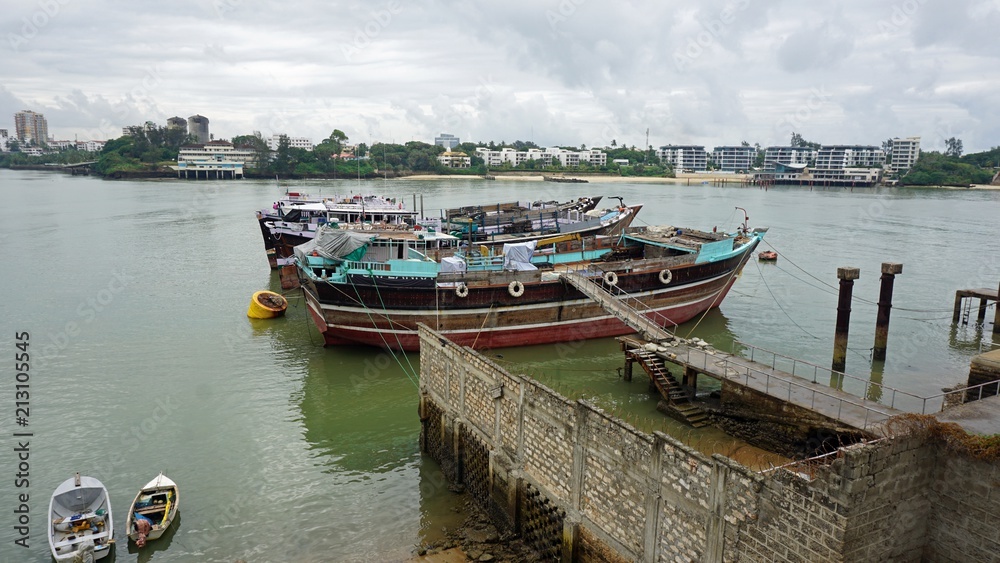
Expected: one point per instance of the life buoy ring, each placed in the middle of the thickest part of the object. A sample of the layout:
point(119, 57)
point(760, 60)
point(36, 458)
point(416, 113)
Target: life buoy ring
point(462, 290)
point(666, 276)
point(515, 288)
point(610, 278)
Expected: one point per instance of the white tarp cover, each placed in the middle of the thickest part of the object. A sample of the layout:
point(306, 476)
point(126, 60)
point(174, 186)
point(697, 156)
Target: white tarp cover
point(304, 207)
point(452, 264)
point(333, 244)
point(517, 255)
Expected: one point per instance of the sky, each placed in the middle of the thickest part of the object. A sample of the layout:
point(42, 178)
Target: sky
point(566, 72)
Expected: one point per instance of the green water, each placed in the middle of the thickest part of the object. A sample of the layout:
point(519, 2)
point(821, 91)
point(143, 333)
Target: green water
point(142, 359)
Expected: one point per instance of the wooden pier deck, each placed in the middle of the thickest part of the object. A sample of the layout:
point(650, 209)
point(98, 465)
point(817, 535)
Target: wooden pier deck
point(850, 410)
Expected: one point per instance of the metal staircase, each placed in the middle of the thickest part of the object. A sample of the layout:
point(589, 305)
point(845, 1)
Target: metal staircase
point(618, 305)
point(677, 399)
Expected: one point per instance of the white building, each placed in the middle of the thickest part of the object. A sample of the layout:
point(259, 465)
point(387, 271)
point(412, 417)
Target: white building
point(566, 158)
point(447, 141)
point(212, 150)
point(839, 157)
point(4, 139)
point(737, 158)
point(788, 156)
point(684, 157)
point(905, 153)
point(455, 159)
point(293, 142)
point(90, 146)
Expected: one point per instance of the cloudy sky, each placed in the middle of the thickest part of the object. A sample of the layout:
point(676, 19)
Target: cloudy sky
point(566, 72)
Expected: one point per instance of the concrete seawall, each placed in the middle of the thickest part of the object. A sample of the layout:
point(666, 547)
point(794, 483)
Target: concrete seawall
point(578, 484)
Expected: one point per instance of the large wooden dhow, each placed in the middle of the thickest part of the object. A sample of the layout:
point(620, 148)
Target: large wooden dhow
point(375, 291)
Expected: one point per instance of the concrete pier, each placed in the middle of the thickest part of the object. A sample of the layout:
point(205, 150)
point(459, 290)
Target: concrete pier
point(847, 276)
point(889, 271)
point(985, 295)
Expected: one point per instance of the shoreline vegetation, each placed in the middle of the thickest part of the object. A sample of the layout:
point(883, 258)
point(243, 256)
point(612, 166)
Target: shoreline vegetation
point(506, 176)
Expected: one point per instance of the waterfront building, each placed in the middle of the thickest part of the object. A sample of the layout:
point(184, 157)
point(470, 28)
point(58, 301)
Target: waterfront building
point(838, 157)
point(198, 128)
point(455, 159)
point(737, 158)
point(90, 146)
point(213, 150)
point(905, 153)
point(3, 140)
point(447, 141)
point(788, 156)
point(684, 158)
point(31, 127)
point(60, 145)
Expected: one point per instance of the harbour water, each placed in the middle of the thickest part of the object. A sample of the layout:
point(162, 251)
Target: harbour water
point(134, 294)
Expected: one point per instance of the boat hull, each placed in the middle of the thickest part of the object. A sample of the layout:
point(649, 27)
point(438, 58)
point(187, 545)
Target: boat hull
point(160, 486)
point(80, 520)
point(491, 316)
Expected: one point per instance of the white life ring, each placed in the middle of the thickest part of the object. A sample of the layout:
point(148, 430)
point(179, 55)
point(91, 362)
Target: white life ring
point(610, 278)
point(462, 290)
point(515, 288)
point(666, 276)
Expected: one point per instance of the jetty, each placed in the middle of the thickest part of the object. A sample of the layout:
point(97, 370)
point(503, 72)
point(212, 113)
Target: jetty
point(654, 347)
point(963, 306)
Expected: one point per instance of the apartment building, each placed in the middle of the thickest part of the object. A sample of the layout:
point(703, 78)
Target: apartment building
point(838, 157)
point(684, 157)
point(905, 153)
point(788, 156)
point(31, 127)
point(293, 142)
point(736, 158)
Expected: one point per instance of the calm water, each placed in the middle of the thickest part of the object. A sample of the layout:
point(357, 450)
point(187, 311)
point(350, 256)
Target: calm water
point(142, 358)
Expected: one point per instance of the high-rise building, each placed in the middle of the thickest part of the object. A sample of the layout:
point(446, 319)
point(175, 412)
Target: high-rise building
point(447, 141)
point(177, 123)
point(905, 153)
point(31, 127)
point(3, 140)
point(198, 128)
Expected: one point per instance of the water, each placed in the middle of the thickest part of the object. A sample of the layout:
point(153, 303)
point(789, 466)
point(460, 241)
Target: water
point(142, 358)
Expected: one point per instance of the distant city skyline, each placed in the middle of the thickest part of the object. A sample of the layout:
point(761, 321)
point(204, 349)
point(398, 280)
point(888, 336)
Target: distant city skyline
point(555, 73)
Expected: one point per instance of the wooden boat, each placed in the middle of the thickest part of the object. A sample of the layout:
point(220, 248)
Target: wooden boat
point(768, 256)
point(267, 305)
point(377, 290)
point(80, 523)
point(157, 503)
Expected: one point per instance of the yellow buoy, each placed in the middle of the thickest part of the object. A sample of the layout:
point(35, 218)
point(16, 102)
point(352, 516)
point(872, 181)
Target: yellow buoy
point(267, 305)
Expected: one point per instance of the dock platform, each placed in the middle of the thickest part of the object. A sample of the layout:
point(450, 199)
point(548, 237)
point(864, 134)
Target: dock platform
point(963, 308)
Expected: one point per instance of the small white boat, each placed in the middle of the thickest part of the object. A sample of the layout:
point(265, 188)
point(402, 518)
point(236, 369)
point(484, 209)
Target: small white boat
point(156, 504)
point(80, 524)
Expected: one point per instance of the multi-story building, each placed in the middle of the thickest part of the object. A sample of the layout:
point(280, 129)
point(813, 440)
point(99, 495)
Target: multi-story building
point(566, 158)
point(447, 141)
point(131, 130)
point(60, 145)
point(905, 153)
point(90, 146)
point(31, 127)
point(684, 157)
point(788, 156)
point(214, 149)
point(198, 128)
point(3, 140)
point(736, 158)
point(455, 159)
point(293, 142)
point(839, 157)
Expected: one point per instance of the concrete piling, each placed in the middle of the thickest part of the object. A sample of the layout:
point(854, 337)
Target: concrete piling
point(996, 314)
point(889, 271)
point(847, 275)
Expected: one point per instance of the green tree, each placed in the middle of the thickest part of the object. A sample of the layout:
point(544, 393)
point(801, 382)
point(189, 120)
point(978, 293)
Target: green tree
point(953, 147)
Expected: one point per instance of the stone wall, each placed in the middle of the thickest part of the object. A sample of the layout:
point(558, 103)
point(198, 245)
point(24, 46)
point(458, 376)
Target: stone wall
point(566, 473)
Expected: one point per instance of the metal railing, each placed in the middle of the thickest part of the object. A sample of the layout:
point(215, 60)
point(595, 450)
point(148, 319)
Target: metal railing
point(744, 371)
point(977, 389)
point(834, 375)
